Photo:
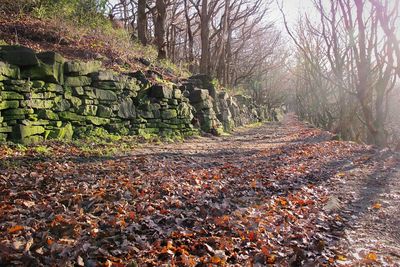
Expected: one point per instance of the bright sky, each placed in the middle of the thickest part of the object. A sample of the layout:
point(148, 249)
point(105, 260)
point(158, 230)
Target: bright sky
point(292, 9)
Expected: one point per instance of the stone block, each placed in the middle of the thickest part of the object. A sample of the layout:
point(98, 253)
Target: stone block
point(52, 87)
point(105, 95)
point(104, 112)
point(97, 121)
point(61, 133)
point(18, 55)
point(177, 94)
point(109, 85)
point(89, 92)
point(5, 129)
point(38, 103)
point(9, 104)
point(10, 95)
point(45, 95)
point(78, 91)
point(61, 104)
point(76, 81)
point(169, 114)
point(161, 91)
point(82, 68)
point(17, 111)
point(90, 110)
point(198, 95)
point(38, 84)
point(49, 69)
point(70, 116)
point(35, 123)
point(127, 109)
point(103, 76)
point(26, 131)
point(8, 71)
point(32, 140)
point(47, 114)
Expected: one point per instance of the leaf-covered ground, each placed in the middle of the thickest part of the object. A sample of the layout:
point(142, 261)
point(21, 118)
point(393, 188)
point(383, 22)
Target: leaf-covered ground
point(282, 194)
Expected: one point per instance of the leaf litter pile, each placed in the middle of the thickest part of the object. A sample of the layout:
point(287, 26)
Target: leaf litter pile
point(278, 195)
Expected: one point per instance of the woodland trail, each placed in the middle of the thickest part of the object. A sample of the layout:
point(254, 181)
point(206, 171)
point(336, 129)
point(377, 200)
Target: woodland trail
point(282, 194)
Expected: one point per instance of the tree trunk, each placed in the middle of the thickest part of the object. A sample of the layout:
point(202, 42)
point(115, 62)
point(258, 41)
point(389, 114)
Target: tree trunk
point(205, 35)
point(160, 28)
point(190, 55)
point(142, 22)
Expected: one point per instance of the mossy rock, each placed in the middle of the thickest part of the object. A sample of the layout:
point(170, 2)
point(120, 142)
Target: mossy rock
point(70, 116)
point(18, 55)
point(78, 91)
point(177, 94)
point(107, 75)
point(35, 123)
point(52, 87)
point(82, 68)
point(169, 114)
point(161, 91)
point(105, 95)
point(9, 104)
point(10, 95)
point(104, 112)
point(3, 136)
point(61, 133)
point(8, 71)
point(89, 92)
point(127, 109)
point(29, 130)
point(32, 140)
point(44, 95)
point(206, 104)
point(38, 103)
point(97, 121)
point(109, 85)
point(17, 111)
point(61, 104)
point(18, 86)
point(198, 95)
point(47, 114)
point(38, 84)
point(49, 69)
point(77, 81)
point(6, 129)
point(90, 110)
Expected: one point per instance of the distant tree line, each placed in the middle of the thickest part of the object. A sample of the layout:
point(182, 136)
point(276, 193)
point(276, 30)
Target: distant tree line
point(231, 40)
point(346, 67)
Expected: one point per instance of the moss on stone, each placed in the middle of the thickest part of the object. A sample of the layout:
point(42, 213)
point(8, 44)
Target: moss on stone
point(9, 104)
point(77, 81)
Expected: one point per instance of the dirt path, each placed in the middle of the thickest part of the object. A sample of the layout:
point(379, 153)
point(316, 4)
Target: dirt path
point(282, 194)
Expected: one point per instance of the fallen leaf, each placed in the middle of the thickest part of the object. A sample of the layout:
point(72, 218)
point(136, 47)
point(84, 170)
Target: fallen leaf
point(15, 229)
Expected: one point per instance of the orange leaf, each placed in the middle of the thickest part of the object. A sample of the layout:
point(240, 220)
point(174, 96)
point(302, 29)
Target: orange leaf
point(49, 241)
point(271, 259)
point(341, 257)
point(377, 206)
point(15, 229)
point(371, 256)
point(265, 251)
point(215, 260)
point(252, 236)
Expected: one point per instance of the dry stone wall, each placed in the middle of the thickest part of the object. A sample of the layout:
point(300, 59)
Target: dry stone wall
point(43, 96)
point(217, 109)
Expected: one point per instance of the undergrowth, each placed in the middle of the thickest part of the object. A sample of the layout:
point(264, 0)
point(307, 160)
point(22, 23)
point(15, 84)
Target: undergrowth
point(82, 24)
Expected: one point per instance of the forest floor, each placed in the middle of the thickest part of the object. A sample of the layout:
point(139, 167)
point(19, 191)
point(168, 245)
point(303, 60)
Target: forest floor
point(281, 194)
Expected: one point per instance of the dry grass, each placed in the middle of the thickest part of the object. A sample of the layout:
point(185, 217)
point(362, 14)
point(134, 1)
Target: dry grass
point(114, 47)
